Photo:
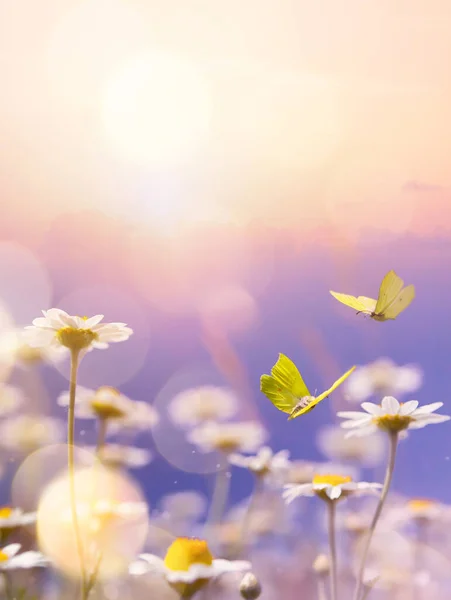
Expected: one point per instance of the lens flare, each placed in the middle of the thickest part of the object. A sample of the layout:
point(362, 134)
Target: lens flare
point(112, 521)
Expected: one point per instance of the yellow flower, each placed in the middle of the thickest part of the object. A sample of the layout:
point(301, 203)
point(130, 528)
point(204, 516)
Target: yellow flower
point(187, 566)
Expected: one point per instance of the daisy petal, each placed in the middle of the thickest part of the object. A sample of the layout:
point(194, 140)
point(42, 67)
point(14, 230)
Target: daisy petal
point(408, 407)
point(390, 405)
point(334, 492)
point(428, 408)
point(372, 409)
point(351, 414)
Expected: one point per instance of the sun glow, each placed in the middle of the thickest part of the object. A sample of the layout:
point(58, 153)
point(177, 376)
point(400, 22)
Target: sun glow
point(157, 110)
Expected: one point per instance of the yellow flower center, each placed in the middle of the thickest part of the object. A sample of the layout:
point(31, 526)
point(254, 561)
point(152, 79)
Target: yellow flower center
point(331, 479)
point(104, 406)
point(227, 443)
point(181, 555)
point(420, 504)
point(76, 339)
point(184, 552)
point(3, 556)
point(5, 512)
point(393, 423)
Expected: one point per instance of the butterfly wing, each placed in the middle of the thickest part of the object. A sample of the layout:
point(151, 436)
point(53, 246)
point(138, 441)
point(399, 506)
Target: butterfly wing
point(390, 288)
point(360, 304)
point(285, 385)
point(401, 302)
point(311, 405)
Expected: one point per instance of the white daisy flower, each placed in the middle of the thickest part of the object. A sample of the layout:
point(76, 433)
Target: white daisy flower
point(199, 405)
point(228, 438)
point(110, 404)
point(10, 559)
point(118, 455)
point(15, 350)
point(419, 510)
point(57, 328)
point(382, 378)
point(265, 464)
point(27, 433)
point(391, 416)
point(187, 566)
point(11, 518)
point(330, 487)
point(334, 444)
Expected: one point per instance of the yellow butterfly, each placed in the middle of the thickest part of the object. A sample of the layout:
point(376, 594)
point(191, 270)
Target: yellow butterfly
point(287, 391)
point(392, 300)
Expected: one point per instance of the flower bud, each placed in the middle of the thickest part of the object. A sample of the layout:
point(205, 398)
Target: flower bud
point(250, 587)
point(321, 564)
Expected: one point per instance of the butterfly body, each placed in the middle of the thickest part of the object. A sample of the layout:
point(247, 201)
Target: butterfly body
point(392, 300)
point(287, 391)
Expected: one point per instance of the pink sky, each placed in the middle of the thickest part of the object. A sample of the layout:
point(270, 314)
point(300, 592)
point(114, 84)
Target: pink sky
point(321, 112)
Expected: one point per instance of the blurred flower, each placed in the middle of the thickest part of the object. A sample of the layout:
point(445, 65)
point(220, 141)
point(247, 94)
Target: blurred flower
point(250, 587)
point(10, 518)
point(26, 433)
point(420, 510)
point(228, 437)
point(57, 328)
point(300, 471)
point(11, 398)
point(265, 464)
point(15, 350)
point(10, 560)
point(110, 404)
point(391, 416)
point(321, 564)
point(187, 566)
point(382, 378)
point(94, 516)
point(330, 487)
point(334, 444)
point(200, 405)
point(186, 505)
point(117, 455)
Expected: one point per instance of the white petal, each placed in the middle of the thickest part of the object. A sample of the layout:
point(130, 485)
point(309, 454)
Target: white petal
point(195, 572)
point(426, 409)
point(362, 432)
point(390, 406)
point(154, 563)
point(59, 318)
point(428, 420)
point(334, 492)
point(408, 407)
point(221, 565)
point(372, 408)
point(42, 322)
point(11, 550)
point(238, 460)
point(351, 414)
point(95, 320)
point(27, 560)
point(356, 424)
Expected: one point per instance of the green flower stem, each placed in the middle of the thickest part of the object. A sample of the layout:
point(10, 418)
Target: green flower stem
point(331, 510)
point(220, 496)
point(245, 523)
point(393, 437)
point(71, 467)
point(322, 595)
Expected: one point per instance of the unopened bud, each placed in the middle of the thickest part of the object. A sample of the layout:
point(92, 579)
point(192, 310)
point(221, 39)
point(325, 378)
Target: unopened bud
point(321, 564)
point(250, 587)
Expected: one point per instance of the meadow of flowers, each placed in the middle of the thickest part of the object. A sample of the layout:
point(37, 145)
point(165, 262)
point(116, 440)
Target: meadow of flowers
point(85, 529)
